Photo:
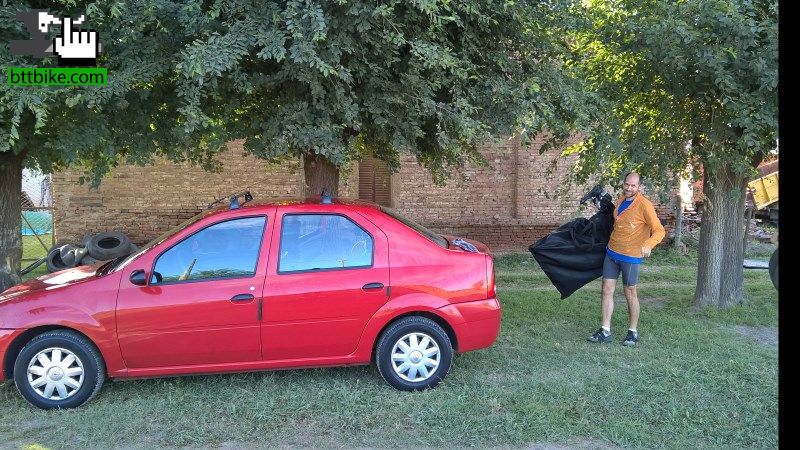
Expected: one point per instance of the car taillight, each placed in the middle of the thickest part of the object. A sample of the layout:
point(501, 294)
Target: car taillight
point(491, 291)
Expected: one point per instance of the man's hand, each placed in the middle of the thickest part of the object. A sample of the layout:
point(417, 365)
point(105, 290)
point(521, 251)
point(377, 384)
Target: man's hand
point(646, 251)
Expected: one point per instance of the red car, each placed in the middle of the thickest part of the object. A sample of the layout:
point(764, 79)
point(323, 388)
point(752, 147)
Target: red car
point(263, 286)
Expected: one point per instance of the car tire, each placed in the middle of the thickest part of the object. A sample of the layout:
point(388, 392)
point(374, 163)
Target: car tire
point(54, 261)
point(413, 354)
point(68, 256)
point(108, 245)
point(77, 376)
point(773, 268)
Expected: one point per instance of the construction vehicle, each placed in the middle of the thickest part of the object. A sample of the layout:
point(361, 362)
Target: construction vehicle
point(764, 200)
point(764, 191)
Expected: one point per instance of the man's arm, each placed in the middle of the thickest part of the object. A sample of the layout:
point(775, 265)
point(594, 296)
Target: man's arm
point(657, 231)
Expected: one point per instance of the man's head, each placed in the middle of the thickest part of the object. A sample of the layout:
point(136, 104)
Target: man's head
point(631, 185)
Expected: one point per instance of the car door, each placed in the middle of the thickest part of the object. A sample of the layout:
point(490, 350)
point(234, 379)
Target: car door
point(202, 303)
point(328, 274)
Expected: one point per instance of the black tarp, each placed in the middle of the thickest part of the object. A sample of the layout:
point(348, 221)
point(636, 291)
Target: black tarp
point(572, 255)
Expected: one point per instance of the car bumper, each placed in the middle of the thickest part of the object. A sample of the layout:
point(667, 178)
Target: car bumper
point(479, 324)
point(6, 337)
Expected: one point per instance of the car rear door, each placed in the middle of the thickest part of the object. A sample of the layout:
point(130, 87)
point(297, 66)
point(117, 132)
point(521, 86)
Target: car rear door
point(328, 274)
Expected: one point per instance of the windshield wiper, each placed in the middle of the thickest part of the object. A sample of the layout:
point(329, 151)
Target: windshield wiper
point(109, 266)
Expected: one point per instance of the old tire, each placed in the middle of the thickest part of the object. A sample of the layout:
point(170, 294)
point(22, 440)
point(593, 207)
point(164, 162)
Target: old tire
point(59, 369)
point(773, 268)
point(108, 245)
point(88, 261)
point(80, 253)
point(68, 256)
point(413, 354)
point(54, 261)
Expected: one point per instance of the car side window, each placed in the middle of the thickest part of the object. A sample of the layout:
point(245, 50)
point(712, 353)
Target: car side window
point(322, 241)
point(226, 249)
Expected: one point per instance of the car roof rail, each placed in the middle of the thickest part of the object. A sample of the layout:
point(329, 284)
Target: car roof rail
point(326, 197)
point(234, 199)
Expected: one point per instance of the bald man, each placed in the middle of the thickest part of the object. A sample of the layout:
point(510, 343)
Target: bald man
point(636, 231)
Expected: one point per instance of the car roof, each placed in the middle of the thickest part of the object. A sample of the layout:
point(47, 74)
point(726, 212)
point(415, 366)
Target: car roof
point(293, 201)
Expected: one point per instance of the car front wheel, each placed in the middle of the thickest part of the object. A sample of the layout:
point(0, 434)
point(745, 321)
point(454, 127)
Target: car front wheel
point(414, 353)
point(59, 369)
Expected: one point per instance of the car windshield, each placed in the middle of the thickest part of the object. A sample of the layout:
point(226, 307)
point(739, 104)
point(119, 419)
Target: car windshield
point(435, 237)
point(123, 261)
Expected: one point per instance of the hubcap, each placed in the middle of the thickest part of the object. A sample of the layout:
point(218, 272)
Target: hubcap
point(415, 357)
point(55, 373)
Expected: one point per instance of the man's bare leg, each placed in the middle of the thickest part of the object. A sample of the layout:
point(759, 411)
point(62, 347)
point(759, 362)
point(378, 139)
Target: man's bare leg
point(607, 302)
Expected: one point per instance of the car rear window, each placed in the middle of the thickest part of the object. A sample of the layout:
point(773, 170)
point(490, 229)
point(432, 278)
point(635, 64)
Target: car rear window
point(323, 242)
point(434, 237)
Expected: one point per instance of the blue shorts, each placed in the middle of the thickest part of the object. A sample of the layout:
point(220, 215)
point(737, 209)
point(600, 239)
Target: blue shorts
point(612, 268)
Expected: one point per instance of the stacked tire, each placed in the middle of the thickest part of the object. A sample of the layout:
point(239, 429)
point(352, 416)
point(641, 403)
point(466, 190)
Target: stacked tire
point(94, 248)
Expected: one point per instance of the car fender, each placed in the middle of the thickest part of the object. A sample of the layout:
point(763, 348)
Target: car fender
point(399, 306)
point(99, 328)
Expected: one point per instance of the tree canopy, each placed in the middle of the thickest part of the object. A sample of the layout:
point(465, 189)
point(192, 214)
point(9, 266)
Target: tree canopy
point(330, 80)
point(435, 79)
point(696, 72)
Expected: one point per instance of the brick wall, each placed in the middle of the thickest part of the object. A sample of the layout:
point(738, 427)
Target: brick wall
point(505, 205)
point(143, 202)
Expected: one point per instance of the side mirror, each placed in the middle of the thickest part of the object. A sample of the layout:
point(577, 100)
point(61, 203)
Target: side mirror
point(138, 277)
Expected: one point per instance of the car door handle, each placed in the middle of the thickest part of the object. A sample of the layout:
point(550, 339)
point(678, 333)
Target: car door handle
point(372, 286)
point(241, 298)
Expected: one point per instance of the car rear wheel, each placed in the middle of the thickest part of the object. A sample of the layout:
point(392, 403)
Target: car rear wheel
point(414, 353)
point(59, 369)
point(773, 268)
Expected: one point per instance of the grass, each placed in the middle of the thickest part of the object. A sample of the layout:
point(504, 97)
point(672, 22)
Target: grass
point(692, 382)
point(32, 250)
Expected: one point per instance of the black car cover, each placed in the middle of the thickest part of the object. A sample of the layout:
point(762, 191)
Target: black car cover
point(572, 255)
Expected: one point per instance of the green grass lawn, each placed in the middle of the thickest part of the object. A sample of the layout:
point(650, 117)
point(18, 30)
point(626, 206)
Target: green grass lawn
point(32, 250)
point(700, 378)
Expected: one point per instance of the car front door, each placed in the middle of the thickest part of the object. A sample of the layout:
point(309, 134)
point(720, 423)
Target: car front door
point(202, 303)
point(328, 274)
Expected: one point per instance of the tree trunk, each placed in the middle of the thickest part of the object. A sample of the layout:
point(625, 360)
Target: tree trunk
point(720, 276)
point(10, 233)
point(320, 174)
point(677, 240)
point(749, 211)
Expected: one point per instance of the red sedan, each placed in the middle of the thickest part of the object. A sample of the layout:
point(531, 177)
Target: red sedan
point(262, 286)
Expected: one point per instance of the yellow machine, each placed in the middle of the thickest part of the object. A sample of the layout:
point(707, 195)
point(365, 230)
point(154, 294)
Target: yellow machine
point(765, 192)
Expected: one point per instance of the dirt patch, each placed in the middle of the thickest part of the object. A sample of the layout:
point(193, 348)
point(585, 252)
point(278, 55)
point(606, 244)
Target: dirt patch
point(309, 434)
point(766, 336)
point(12, 445)
point(581, 444)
